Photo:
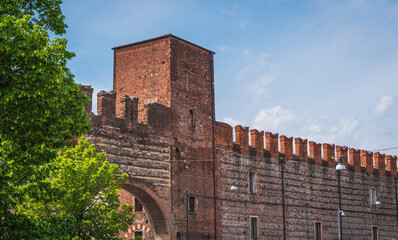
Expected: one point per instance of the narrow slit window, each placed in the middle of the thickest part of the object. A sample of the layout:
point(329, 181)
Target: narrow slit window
point(318, 231)
point(253, 228)
point(178, 154)
point(137, 205)
point(375, 233)
point(191, 204)
point(191, 120)
point(372, 194)
point(252, 183)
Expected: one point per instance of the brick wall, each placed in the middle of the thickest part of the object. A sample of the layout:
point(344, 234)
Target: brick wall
point(143, 71)
point(310, 194)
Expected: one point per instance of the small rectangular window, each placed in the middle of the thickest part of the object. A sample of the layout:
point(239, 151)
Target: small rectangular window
point(252, 183)
point(137, 205)
point(253, 228)
point(372, 194)
point(318, 231)
point(375, 233)
point(191, 204)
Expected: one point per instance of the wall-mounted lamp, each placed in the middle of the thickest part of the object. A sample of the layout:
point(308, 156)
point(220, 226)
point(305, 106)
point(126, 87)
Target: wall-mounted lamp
point(340, 165)
point(342, 213)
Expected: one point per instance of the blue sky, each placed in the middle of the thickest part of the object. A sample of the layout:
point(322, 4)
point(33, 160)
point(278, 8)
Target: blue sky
point(322, 70)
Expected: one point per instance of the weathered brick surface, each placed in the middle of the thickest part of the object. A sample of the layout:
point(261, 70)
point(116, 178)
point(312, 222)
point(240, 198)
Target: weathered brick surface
point(310, 194)
point(192, 125)
point(168, 143)
point(143, 71)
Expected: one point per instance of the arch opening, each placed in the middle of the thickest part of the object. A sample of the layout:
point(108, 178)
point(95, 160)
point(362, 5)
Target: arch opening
point(150, 222)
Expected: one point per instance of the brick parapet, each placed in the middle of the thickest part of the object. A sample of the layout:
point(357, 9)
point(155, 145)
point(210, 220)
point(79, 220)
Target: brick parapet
point(316, 152)
point(272, 144)
point(328, 154)
point(392, 165)
point(380, 163)
point(106, 106)
point(126, 121)
point(223, 135)
point(129, 111)
point(257, 141)
point(242, 138)
point(287, 146)
point(355, 159)
point(343, 153)
point(352, 158)
point(88, 90)
point(301, 148)
point(367, 161)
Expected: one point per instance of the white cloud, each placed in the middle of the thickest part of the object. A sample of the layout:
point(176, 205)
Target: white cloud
point(233, 122)
point(346, 126)
point(223, 48)
point(270, 119)
point(315, 128)
point(384, 103)
point(341, 131)
point(260, 85)
point(257, 73)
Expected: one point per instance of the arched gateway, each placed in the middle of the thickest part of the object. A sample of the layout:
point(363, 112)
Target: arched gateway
point(150, 220)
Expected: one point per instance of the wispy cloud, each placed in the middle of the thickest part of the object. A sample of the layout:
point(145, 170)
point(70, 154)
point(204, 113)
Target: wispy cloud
point(384, 103)
point(257, 73)
point(233, 122)
point(270, 119)
point(223, 48)
point(344, 129)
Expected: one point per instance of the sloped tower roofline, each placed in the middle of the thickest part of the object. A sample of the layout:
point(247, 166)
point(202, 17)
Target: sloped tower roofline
point(160, 37)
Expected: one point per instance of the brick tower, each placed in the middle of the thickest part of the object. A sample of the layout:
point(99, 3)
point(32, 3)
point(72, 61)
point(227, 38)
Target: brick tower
point(170, 71)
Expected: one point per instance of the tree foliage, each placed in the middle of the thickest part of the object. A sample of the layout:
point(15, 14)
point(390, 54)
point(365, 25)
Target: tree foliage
point(90, 185)
point(41, 109)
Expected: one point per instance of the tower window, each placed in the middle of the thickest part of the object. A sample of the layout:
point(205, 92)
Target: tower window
point(191, 204)
point(252, 183)
point(178, 154)
point(372, 194)
point(375, 233)
point(137, 205)
point(318, 231)
point(253, 228)
point(191, 120)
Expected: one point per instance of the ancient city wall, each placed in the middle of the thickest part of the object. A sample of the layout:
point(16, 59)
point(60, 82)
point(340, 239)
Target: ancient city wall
point(305, 186)
point(158, 126)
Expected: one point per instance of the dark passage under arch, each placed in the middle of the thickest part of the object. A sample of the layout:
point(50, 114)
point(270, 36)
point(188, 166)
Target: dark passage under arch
point(160, 227)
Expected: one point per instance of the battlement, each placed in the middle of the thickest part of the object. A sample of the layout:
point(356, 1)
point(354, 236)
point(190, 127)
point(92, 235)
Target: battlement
point(319, 154)
point(157, 119)
point(125, 119)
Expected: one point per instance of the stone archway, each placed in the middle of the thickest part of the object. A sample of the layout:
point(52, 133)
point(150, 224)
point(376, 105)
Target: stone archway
point(157, 227)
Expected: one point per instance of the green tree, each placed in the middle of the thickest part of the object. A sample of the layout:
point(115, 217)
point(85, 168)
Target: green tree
point(41, 109)
point(90, 185)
